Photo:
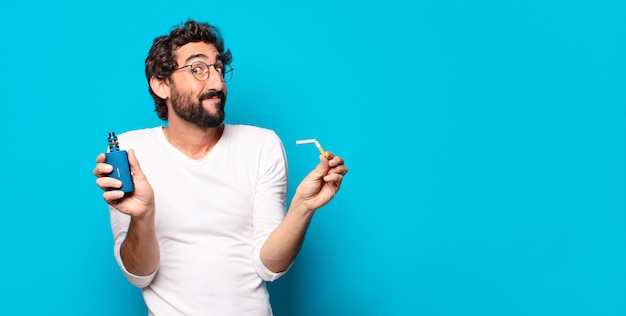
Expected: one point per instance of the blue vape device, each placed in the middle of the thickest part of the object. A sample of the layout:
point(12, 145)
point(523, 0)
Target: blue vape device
point(119, 160)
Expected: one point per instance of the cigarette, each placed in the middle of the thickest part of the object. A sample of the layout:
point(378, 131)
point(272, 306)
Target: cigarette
point(312, 141)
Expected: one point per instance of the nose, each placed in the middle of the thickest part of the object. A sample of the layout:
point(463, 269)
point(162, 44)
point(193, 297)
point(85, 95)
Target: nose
point(215, 80)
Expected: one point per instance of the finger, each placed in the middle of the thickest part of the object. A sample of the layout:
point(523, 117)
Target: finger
point(321, 169)
point(102, 169)
point(343, 170)
point(101, 158)
point(335, 161)
point(333, 182)
point(107, 183)
point(333, 177)
point(135, 167)
point(97, 170)
point(112, 196)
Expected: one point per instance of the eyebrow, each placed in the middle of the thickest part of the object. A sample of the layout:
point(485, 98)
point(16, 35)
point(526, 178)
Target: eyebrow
point(218, 57)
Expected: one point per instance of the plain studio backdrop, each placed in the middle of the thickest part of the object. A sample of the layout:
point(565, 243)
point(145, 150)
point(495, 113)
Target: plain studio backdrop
point(486, 142)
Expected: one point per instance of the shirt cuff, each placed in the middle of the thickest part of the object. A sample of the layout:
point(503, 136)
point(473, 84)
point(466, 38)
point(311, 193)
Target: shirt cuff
point(139, 281)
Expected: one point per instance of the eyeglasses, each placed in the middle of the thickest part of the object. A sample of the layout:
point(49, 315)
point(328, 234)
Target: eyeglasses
point(200, 70)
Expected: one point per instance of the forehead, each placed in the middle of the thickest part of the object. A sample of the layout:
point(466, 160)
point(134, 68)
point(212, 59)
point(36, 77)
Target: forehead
point(196, 50)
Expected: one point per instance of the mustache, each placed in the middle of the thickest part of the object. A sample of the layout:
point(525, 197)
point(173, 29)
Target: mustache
point(211, 94)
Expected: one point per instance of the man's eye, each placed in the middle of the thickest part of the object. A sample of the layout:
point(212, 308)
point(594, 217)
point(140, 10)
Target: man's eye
point(197, 70)
point(219, 68)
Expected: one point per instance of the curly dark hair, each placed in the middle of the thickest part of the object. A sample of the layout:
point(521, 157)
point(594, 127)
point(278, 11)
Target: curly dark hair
point(160, 62)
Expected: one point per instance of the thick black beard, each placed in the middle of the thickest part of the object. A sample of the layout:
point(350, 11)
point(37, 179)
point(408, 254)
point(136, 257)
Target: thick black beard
point(192, 111)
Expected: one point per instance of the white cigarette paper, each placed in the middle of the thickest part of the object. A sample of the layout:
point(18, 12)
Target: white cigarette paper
point(312, 141)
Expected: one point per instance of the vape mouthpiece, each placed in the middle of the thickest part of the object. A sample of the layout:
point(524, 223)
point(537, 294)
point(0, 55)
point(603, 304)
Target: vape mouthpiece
point(114, 145)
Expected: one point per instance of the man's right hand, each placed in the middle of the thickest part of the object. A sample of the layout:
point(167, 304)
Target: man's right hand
point(136, 204)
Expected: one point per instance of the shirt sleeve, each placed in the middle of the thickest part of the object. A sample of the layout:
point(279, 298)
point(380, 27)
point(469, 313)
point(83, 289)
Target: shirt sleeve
point(119, 227)
point(269, 199)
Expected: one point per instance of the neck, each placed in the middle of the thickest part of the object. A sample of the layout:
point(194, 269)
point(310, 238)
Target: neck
point(193, 141)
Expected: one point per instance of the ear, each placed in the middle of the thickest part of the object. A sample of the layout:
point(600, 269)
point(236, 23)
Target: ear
point(160, 87)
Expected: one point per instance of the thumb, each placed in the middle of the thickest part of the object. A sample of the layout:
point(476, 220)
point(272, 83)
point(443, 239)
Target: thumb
point(321, 169)
point(135, 168)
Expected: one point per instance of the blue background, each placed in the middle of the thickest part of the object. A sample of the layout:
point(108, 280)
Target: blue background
point(486, 142)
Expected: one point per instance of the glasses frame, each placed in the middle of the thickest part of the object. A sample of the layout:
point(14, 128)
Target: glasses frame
point(226, 68)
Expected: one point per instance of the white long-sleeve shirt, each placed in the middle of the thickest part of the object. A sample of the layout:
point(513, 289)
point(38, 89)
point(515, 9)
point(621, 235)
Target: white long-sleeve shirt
point(212, 217)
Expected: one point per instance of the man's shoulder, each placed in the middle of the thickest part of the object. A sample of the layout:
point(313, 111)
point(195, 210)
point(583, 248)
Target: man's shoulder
point(143, 131)
point(140, 136)
point(252, 138)
point(251, 131)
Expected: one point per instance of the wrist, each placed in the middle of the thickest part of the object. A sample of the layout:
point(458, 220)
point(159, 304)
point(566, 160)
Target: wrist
point(146, 216)
point(300, 206)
